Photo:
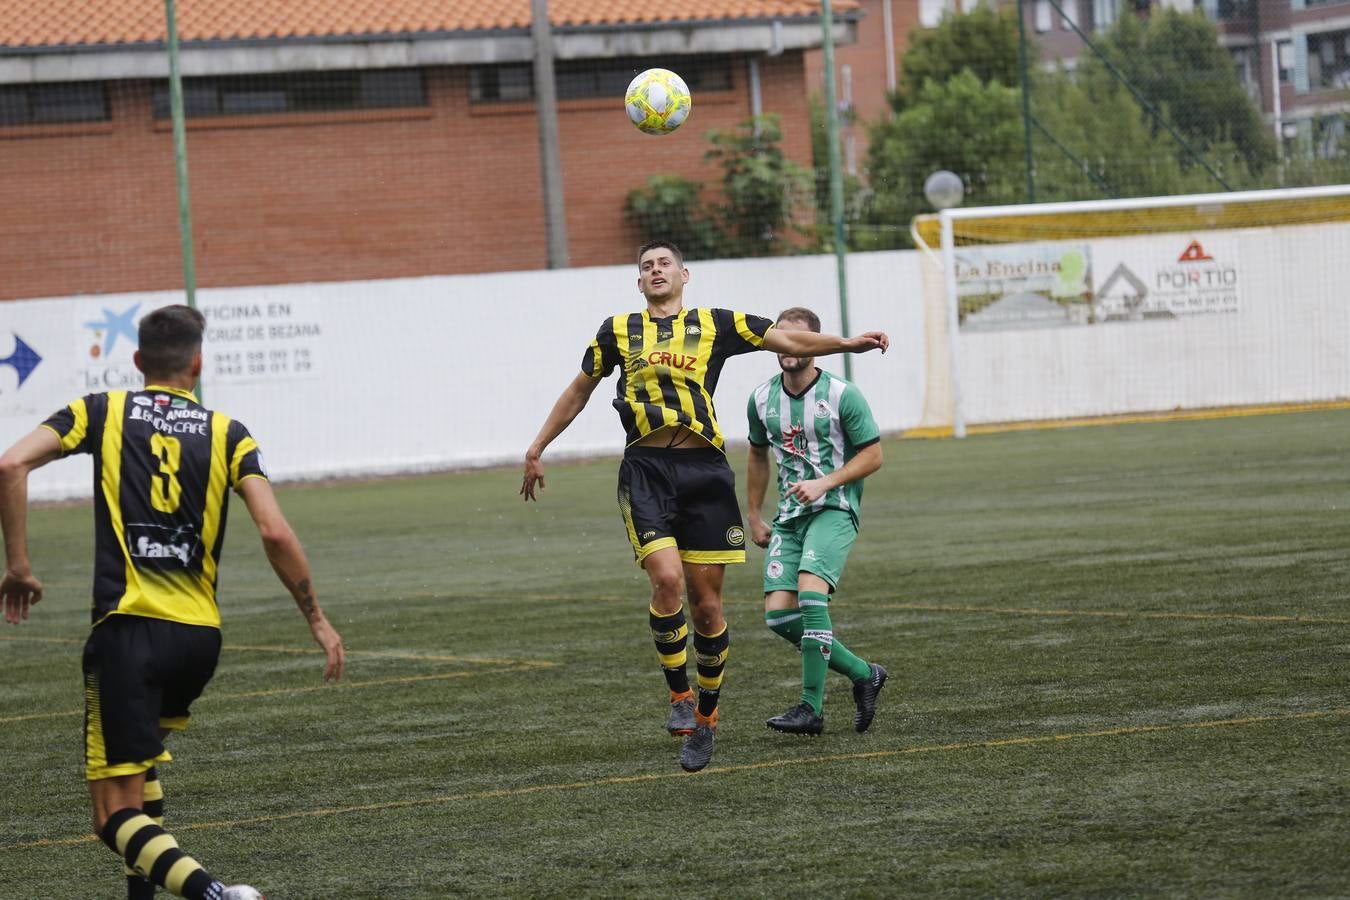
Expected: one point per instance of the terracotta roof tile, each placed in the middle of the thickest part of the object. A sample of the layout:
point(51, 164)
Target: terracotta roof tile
point(79, 23)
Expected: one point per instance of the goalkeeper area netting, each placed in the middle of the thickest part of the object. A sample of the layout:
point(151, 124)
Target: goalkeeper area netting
point(1063, 311)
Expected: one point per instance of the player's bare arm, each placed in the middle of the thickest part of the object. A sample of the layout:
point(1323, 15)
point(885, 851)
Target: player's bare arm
point(287, 557)
point(867, 461)
point(567, 407)
point(20, 588)
point(756, 484)
point(810, 343)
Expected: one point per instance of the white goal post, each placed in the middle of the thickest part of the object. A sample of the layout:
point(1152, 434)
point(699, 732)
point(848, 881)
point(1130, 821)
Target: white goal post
point(1149, 305)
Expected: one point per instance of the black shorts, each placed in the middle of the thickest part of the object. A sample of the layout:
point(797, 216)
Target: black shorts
point(140, 675)
point(684, 499)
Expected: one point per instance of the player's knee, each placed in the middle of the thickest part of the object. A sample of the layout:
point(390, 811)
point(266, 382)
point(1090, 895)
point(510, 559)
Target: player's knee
point(667, 587)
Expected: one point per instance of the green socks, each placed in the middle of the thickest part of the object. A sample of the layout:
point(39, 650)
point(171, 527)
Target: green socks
point(810, 629)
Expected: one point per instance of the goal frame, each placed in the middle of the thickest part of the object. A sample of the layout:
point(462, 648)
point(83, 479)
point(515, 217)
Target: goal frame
point(944, 255)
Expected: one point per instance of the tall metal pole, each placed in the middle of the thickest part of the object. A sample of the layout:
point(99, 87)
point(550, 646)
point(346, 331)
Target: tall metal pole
point(1026, 101)
point(836, 177)
point(180, 157)
point(180, 167)
point(550, 156)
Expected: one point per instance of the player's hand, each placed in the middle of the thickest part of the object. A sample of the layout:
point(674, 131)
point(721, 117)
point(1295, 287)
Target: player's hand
point(760, 532)
point(19, 591)
point(808, 491)
point(326, 636)
point(868, 340)
point(534, 474)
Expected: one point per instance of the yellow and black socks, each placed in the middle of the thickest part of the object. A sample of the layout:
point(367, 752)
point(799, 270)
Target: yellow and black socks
point(820, 651)
point(150, 850)
point(710, 653)
point(152, 804)
point(671, 633)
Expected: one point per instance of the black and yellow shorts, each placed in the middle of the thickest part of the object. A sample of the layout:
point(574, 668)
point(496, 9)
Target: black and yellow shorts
point(684, 499)
point(140, 676)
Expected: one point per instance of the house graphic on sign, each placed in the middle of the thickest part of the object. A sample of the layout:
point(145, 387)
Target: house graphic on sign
point(1122, 299)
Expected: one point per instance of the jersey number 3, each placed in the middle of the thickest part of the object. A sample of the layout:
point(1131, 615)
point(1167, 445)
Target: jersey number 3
point(165, 489)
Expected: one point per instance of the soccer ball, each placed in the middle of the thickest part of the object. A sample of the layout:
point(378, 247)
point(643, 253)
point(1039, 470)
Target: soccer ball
point(658, 101)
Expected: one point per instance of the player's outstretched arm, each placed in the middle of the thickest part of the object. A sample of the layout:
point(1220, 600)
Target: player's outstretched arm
point(288, 560)
point(809, 343)
point(19, 588)
point(567, 407)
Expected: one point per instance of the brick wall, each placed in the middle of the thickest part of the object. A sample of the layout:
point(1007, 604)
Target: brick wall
point(444, 189)
point(866, 57)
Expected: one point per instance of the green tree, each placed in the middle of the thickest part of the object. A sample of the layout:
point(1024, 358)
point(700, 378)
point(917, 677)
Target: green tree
point(1092, 139)
point(1176, 62)
point(982, 41)
point(669, 207)
point(967, 126)
point(762, 190)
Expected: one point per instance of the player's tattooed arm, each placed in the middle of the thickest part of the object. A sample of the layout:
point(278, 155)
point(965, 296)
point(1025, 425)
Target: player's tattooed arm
point(303, 592)
point(287, 557)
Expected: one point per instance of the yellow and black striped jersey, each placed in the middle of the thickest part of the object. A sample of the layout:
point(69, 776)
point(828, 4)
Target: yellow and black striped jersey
point(668, 367)
point(163, 466)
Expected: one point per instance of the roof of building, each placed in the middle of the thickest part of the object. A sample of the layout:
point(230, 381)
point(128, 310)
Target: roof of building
point(72, 24)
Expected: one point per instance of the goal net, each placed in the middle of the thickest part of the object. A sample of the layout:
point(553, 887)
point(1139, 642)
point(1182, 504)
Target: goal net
point(1063, 311)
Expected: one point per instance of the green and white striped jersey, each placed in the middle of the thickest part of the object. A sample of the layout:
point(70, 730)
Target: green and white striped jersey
point(812, 434)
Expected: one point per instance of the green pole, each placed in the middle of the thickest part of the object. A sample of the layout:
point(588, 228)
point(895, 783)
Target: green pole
point(1026, 102)
point(180, 165)
point(180, 157)
point(836, 178)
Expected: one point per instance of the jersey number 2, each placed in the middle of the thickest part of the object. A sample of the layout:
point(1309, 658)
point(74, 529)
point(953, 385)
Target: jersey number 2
point(165, 489)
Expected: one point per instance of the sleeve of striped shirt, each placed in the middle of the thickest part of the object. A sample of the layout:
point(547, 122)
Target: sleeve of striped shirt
point(739, 332)
point(602, 355)
point(245, 459)
point(759, 437)
point(856, 417)
point(71, 424)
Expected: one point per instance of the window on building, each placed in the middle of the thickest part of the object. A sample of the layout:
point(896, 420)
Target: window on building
point(579, 79)
point(1328, 136)
point(1329, 60)
point(246, 95)
point(1105, 13)
point(50, 104)
point(1284, 51)
point(1069, 18)
point(1042, 14)
point(1237, 10)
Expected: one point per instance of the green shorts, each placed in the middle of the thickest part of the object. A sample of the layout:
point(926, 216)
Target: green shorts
point(818, 543)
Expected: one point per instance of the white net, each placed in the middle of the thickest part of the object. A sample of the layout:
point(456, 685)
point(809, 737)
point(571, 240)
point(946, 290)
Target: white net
point(1169, 305)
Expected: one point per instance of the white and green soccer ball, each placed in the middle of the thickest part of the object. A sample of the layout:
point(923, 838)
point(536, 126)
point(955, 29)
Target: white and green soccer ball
point(658, 101)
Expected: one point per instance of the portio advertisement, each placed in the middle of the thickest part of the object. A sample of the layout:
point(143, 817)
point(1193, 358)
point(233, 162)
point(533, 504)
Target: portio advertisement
point(1053, 285)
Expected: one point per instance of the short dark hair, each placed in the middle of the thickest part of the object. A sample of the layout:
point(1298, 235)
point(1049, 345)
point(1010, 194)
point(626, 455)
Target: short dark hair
point(652, 245)
point(800, 314)
point(169, 338)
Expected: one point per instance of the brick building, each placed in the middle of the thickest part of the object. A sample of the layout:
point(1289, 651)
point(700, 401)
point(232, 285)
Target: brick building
point(354, 139)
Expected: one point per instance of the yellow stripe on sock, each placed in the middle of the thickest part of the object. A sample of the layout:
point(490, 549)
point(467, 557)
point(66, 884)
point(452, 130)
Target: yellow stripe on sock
point(153, 849)
point(128, 830)
point(179, 873)
point(674, 660)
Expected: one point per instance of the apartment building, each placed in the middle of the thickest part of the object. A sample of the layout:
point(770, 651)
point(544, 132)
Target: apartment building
point(1293, 55)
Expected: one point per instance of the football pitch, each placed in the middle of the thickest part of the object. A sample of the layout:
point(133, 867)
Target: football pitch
point(1118, 663)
